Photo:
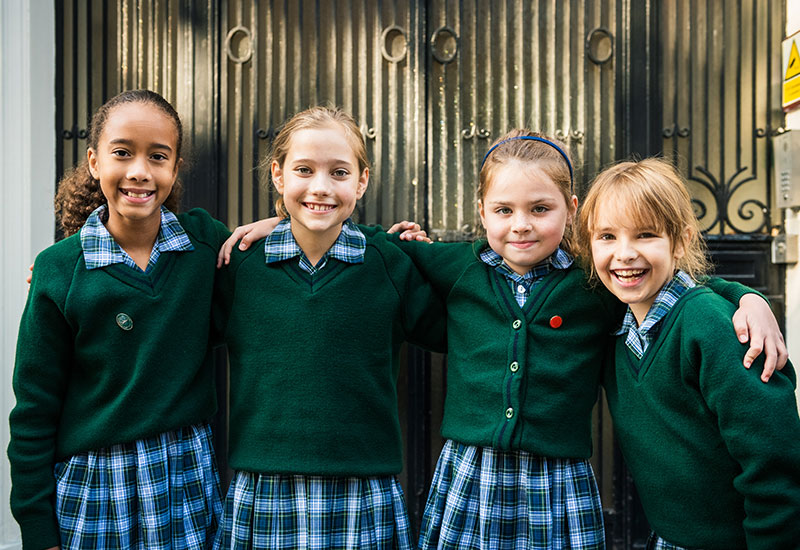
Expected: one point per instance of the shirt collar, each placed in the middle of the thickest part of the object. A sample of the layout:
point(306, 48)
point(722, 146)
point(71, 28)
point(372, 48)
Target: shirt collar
point(100, 249)
point(558, 260)
point(667, 297)
point(349, 246)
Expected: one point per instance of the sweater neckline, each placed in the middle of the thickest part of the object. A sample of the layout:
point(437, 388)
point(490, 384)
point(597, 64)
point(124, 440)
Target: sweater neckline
point(150, 283)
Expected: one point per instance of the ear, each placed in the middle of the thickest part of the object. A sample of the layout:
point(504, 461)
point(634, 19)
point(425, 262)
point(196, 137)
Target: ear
point(277, 176)
point(177, 168)
point(91, 157)
point(363, 180)
point(572, 207)
point(680, 246)
point(482, 212)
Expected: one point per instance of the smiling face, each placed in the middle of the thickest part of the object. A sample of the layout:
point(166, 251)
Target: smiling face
point(524, 214)
point(136, 163)
point(633, 261)
point(320, 182)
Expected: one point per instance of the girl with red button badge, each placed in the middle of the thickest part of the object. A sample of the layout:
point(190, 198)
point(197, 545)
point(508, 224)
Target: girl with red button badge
point(526, 338)
point(671, 385)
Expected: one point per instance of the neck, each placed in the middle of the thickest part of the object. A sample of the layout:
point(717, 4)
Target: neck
point(315, 244)
point(136, 237)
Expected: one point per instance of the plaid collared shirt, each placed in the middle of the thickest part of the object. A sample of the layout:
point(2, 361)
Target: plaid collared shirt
point(640, 337)
point(522, 285)
point(349, 246)
point(100, 249)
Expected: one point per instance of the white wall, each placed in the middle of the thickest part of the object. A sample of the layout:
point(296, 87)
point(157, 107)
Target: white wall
point(27, 175)
point(793, 221)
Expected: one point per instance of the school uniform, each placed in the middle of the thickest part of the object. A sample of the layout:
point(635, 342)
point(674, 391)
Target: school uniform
point(525, 356)
point(314, 429)
point(714, 451)
point(114, 383)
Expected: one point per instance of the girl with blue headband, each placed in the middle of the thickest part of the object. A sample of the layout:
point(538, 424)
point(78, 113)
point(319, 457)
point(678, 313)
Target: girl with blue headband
point(526, 339)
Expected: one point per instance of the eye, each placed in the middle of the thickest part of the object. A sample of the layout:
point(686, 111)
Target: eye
point(122, 153)
point(340, 173)
point(540, 209)
point(503, 210)
point(604, 237)
point(158, 156)
point(647, 235)
point(303, 170)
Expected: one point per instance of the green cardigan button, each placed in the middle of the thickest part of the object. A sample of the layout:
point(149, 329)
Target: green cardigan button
point(514, 366)
point(124, 321)
point(509, 412)
point(516, 324)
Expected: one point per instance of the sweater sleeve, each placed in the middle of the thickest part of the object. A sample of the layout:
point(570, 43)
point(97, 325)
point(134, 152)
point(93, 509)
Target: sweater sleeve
point(44, 351)
point(759, 424)
point(730, 290)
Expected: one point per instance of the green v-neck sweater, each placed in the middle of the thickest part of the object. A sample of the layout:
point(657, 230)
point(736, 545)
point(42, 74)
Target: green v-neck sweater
point(521, 378)
point(107, 356)
point(314, 360)
point(714, 451)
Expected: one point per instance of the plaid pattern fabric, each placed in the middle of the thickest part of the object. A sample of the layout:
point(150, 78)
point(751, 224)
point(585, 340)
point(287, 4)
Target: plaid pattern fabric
point(349, 246)
point(156, 493)
point(640, 337)
point(522, 285)
point(654, 542)
point(484, 498)
point(100, 249)
point(275, 511)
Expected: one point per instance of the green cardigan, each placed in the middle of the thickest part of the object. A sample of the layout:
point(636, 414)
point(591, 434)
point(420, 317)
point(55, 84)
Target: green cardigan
point(314, 360)
point(520, 378)
point(714, 451)
point(107, 356)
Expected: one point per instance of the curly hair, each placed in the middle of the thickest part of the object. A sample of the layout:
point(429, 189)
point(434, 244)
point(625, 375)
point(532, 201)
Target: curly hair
point(79, 193)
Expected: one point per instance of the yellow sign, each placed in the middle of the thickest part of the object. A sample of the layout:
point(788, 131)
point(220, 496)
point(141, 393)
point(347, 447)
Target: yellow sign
point(791, 70)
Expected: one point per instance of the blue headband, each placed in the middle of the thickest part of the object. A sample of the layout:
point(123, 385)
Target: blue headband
point(534, 138)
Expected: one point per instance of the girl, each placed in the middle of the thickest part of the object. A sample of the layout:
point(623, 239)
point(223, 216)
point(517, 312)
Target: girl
point(113, 378)
point(731, 479)
point(525, 341)
point(314, 428)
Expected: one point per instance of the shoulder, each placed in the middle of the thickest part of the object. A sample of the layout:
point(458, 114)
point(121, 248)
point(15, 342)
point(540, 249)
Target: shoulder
point(706, 308)
point(55, 267)
point(65, 252)
point(202, 227)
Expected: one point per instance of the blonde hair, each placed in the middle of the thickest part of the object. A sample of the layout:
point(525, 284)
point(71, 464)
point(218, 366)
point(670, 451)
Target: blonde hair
point(79, 192)
point(547, 158)
point(315, 118)
point(652, 193)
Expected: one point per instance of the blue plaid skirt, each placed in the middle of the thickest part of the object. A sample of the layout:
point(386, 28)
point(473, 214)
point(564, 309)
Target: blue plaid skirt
point(156, 493)
point(654, 542)
point(274, 511)
point(483, 498)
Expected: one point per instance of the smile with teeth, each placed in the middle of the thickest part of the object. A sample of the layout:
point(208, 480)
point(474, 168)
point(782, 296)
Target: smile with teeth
point(318, 207)
point(135, 195)
point(628, 275)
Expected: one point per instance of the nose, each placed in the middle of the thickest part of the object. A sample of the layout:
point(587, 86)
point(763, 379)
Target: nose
point(521, 223)
point(139, 169)
point(625, 250)
point(319, 184)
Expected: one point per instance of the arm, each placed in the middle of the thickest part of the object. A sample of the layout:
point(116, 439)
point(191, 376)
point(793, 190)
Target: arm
point(248, 234)
point(755, 322)
point(44, 348)
point(764, 442)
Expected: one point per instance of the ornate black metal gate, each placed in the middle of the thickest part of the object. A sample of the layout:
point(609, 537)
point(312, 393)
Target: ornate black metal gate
point(432, 83)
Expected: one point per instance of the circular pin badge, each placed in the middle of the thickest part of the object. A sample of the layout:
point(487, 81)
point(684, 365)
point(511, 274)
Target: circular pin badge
point(555, 321)
point(124, 321)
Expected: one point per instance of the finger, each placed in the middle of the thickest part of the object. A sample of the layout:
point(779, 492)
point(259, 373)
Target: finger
point(740, 326)
point(770, 362)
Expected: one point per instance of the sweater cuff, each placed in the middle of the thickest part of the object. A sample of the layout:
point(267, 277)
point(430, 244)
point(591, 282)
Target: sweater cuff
point(39, 533)
point(731, 290)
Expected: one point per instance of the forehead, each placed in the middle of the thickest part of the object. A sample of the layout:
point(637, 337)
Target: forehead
point(137, 121)
point(326, 142)
point(520, 178)
point(615, 211)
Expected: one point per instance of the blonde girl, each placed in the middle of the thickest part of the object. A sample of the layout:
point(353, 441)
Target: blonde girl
point(525, 342)
point(710, 472)
point(316, 315)
point(110, 446)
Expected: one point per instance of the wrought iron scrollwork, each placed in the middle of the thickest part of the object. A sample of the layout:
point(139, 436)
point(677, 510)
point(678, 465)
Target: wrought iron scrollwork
point(675, 130)
point(723, 193)
point(268, 133)
point(472, 131)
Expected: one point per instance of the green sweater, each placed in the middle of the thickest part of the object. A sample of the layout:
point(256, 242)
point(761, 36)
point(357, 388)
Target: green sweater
point(82, 382)
point(516, 377)
point(714, 451)
point(314, 360)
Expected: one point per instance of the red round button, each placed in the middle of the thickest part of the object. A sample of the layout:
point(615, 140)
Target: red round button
point(555, 321)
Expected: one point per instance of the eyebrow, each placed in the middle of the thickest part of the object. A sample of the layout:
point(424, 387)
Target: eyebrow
point(315, 161)
point(122, 141)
